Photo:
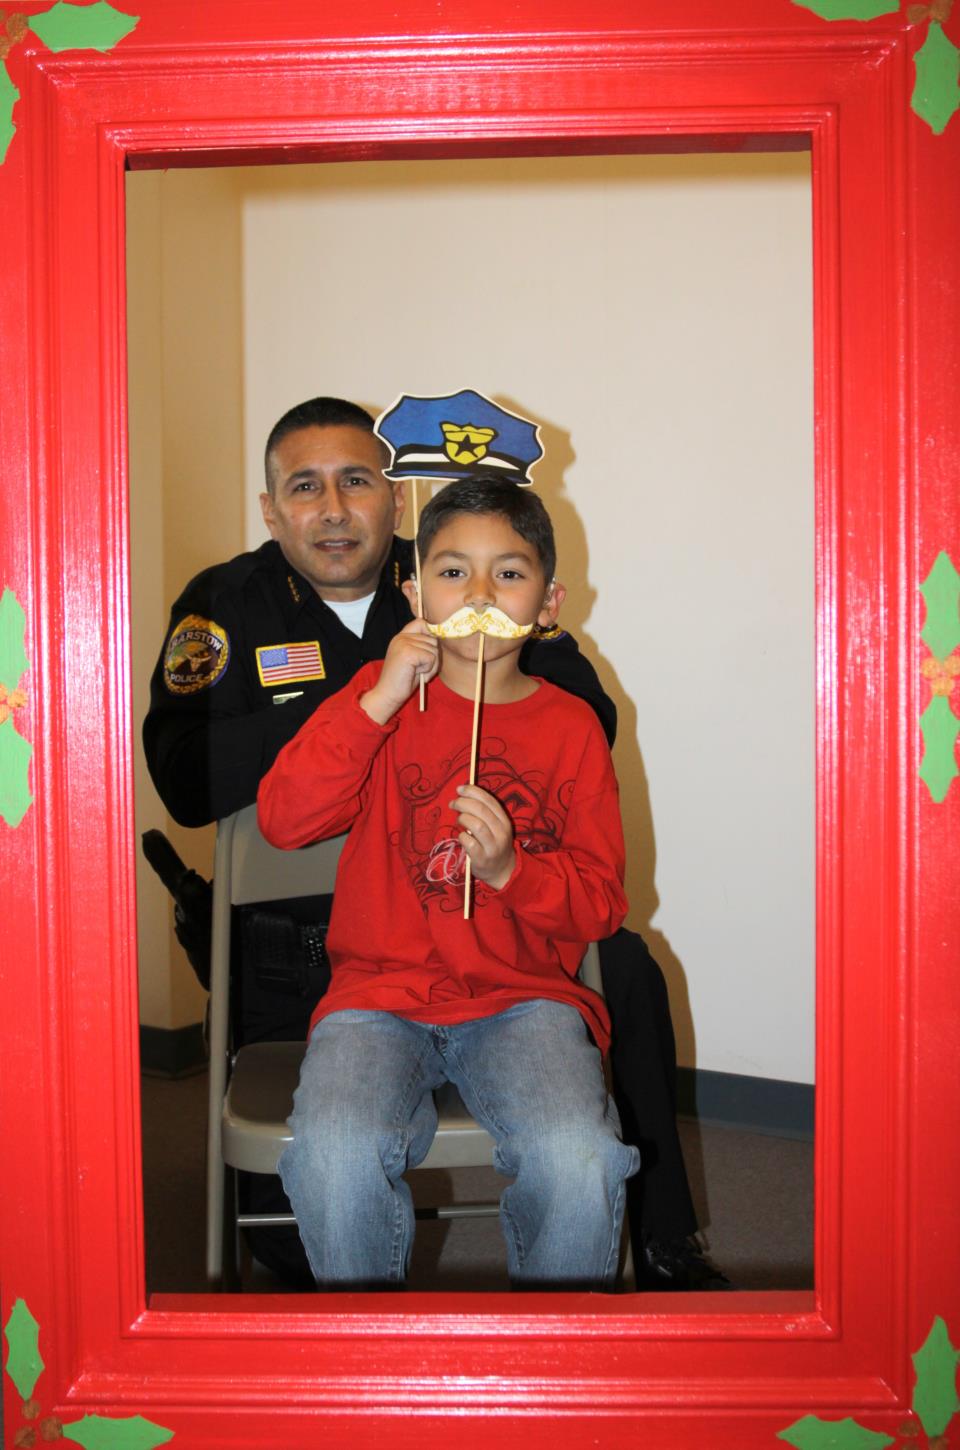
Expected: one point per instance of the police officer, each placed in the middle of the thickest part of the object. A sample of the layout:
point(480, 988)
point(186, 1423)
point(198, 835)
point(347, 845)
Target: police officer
point(254, 645)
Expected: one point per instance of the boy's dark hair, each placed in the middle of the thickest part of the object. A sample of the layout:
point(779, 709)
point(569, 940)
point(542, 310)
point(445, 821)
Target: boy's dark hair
point(521, 508)
point(315, 413)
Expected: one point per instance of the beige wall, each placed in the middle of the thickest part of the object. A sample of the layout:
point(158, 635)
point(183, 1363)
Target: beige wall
point(185, 322)
point(654, 314)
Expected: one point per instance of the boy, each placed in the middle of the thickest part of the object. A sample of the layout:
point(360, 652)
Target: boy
point(418, 994)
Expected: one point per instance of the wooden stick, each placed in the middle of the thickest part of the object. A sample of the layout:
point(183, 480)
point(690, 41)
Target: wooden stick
point(478, 696)
point(416, 560)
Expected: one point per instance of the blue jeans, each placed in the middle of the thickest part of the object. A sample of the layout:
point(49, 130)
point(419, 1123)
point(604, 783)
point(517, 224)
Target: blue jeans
point(364, 1113)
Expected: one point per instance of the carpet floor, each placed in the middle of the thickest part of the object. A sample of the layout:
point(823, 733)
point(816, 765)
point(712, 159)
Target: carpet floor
point(753, 1192)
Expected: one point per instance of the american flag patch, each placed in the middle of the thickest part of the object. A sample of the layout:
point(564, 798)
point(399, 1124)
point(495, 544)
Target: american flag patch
point(280, 663)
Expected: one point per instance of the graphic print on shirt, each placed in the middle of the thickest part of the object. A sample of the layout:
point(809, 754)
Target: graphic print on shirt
point(428, 844)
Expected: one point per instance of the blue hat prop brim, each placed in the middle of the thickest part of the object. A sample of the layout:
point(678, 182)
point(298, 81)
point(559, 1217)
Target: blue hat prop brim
point(457, 435)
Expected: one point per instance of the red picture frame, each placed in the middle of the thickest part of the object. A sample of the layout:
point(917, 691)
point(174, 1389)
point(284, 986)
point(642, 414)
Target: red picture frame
point(226, 83)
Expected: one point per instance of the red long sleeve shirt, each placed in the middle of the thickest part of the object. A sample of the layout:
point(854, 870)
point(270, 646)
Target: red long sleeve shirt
point(398, 941)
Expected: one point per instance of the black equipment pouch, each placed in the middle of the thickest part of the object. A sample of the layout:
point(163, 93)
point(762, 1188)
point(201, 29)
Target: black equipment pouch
point(284, 956)
point(278, 959)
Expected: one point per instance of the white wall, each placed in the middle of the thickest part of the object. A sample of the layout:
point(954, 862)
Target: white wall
point(654, 314)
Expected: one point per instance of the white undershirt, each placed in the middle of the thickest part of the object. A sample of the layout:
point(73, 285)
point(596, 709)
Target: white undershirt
point(353, 613)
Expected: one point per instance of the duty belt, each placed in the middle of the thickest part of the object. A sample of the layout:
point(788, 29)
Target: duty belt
point(286, 956)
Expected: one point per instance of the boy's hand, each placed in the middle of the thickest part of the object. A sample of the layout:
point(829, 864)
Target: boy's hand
point(486, 835)
point(412, 653)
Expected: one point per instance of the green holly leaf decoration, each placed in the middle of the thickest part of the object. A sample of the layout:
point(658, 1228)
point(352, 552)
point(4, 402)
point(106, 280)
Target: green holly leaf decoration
point(939, 727)
point(15, 752)
point(96, 1432)
point(935, 1393)
point(9, 95)
point(82, 27)
point(936, 94)
point(13, 628)
point(941, 634)
point(811, 1433)
point(941, 594)
point(24, 1364)
point(850, 9)
point(15, 756)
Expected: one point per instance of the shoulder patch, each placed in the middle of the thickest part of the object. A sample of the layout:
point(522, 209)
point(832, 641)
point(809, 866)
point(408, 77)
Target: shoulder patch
point(197, 654)
point(547, 634)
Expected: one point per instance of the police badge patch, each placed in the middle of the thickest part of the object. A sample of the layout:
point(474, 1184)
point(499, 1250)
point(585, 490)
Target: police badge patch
point(196, 656)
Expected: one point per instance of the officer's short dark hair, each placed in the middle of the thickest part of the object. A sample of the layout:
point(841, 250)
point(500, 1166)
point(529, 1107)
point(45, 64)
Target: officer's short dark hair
point(315, 413)
point(521, 508)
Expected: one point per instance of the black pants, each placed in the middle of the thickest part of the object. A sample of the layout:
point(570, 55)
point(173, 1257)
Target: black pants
point(644, 1069)
point(643, 1059)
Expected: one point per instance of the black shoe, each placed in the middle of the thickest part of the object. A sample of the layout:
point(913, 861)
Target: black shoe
point(677, 1264)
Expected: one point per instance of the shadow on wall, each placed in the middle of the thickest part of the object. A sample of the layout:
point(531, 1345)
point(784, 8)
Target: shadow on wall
point(573, 569)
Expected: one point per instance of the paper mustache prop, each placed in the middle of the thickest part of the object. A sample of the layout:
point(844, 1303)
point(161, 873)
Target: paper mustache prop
point(460, 625)
point(467, 621)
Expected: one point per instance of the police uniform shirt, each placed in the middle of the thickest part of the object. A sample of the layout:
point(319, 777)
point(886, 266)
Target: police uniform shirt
point(252, 651)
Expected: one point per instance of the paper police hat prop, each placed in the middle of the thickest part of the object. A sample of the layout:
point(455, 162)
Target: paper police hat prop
point(457, 436)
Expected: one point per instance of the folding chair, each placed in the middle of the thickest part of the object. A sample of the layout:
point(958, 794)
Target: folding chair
point(251, 1094)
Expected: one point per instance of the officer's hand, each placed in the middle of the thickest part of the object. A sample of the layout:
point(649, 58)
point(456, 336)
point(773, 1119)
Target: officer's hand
point(413, 653)
point(486, 835)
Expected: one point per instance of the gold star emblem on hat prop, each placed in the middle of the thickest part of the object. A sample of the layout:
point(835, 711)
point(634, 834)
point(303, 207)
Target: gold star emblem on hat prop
point(466, 443)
